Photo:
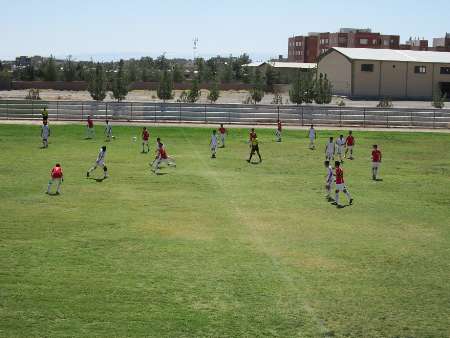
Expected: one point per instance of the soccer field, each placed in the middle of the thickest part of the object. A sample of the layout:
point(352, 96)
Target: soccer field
point(219, 247)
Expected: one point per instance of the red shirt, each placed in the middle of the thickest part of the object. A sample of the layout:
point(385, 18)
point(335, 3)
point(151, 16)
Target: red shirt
point(252, 136)
point(90, 123)
point(145, 135)
point(162, 152)
point(339, 176)
point(222, 130)
point(350, 140)
point(279, 126)
point(57, 172)
point(376, 156)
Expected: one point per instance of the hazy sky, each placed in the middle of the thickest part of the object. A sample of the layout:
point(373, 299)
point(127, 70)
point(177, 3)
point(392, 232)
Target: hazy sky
point(104, 29)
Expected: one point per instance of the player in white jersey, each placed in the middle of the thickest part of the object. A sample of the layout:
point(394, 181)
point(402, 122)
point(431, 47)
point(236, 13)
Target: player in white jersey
point(312, 137)
point(100, 162)
point(213, 144)
point(329, 150)
point(340, 145)
point(108, 131)
point(328, 180)
point(45, 133)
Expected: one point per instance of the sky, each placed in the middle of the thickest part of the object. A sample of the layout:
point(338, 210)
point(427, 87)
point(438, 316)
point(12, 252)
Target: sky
point(103, 30)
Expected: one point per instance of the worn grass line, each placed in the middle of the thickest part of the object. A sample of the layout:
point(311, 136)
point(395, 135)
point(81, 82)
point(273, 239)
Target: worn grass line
point(241, 216)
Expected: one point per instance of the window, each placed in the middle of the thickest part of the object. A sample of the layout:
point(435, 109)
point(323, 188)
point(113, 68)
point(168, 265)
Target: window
point(420, 69)
point(386, 42)
point(445, 70)
point(367, 67)
point(374, 42)
point(363, 41)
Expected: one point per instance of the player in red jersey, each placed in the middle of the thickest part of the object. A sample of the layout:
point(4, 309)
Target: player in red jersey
point(278, 131)
point(56, 175)
point(161, 157)
point(376, 161)
point(223, 134)
point(90, 131)
point(349, 144)
point(145, 137)
point(340, 185)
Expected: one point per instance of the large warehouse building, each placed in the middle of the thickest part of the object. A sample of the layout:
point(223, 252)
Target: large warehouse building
point(376, 73)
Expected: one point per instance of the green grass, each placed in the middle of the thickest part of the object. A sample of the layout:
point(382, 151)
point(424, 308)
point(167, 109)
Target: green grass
point(221, 248)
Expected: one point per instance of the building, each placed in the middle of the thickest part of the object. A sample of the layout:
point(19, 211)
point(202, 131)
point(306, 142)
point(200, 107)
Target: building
point(309, 48)
point(285, 72)
point(377, 73)
point(22, 61)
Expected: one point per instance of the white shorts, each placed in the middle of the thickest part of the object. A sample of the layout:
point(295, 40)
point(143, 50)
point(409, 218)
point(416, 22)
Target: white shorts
point(350, 147)
point(341, 187)
point(340, 150)
point(311, 140)
point(330, 155)
point(55, 179)
point(376, 164)
point(145, 142)
point(213, 147)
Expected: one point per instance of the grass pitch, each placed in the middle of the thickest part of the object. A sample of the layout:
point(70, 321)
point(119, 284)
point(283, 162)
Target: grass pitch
point(223, 248)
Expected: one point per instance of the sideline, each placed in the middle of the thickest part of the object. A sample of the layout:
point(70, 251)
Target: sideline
point(235, 126)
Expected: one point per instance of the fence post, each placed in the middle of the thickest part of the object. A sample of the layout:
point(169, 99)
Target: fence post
point(387, 118)
point(57, 110)
point(106, 110)
point(340, 117)
point(206, 122)
point(364, 117)
point(154, 113)
point(302, 118)
point(229, 117)
point(411, 118)
point(131, 111)
point(278, 112)
point(434, 118)
point(32, 108)
point(7, 110)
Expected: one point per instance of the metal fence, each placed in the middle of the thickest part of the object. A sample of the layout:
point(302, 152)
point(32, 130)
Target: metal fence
point(228, 113)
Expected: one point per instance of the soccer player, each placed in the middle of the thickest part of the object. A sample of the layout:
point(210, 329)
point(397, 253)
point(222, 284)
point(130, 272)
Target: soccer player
point(254, 148)
point(278, 131)
point(340, 185)
point(108, 131)
point(213, 144)
point(312, 137)
point(350, 143)
point(90, 131)
point(100, 162)
point(376, 161)
point(329, 150)
point(329, 180)
point(223, 134)
point(45, 134)
point(161, 157)
point(56, 175)
point(340, 144)
point(145, 137)
point(44, 114)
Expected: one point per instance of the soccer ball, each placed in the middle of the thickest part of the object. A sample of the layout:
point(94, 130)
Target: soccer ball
point(134, 138)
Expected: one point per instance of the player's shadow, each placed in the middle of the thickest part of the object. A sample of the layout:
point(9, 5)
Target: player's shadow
point(98, 180)
point(53, 194)
point(378, 180)
point(161, 174)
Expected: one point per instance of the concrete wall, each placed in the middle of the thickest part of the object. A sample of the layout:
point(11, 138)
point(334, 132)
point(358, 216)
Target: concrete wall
point(438, 77)
point(393, 79)
point(338, 69)
point(420, 86)
point(366, 84)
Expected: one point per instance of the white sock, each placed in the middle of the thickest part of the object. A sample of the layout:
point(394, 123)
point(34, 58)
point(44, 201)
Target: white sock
point(347, 193)
point(336, 199)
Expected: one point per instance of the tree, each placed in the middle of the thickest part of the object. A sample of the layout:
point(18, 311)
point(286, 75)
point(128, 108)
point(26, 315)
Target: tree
point(194, 92)
point(120, 83)
point(227, 72)
point(327, 90)
point(165, 89)
point(309, 93)
point(50, 72)
point(177, 74)
point(97, 83)
point(297, 90)
point(257, 90)
point(319, 90)
point(131, 70)
point(214, 92)
point(270, 79)
point(69, 70)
